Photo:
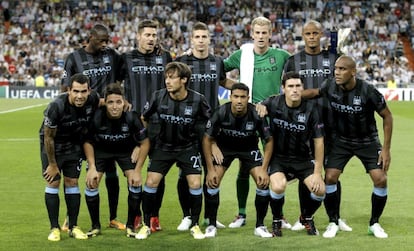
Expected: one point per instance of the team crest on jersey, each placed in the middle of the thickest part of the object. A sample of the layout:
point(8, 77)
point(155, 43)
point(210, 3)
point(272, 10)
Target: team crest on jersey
point(124, 128)
point(213, 67)
point(208, 124)
point(249, 125)
point(105, 59)
point(301, 117)
point(357, 100)
point(326, 62)
point(188, 110)
point(272, 60)
point(158, 60)
point(88, 110)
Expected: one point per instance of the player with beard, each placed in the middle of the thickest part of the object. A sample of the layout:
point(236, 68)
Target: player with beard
point(354, 104)
point(180, 111)
point(62, 132)
point(101, 64)
point(315, 65)
point(207, 75)
point(143, 74)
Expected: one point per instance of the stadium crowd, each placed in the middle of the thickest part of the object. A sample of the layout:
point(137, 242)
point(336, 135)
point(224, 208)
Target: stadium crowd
point(37, 36)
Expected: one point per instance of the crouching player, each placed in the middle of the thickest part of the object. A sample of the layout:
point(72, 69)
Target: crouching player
point(115, 136)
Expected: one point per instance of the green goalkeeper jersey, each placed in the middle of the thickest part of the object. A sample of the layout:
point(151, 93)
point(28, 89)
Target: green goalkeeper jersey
point(268, 69)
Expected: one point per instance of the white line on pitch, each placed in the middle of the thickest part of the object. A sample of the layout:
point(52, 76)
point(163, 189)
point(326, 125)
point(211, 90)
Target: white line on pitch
point(22, 108)
point(19, 139)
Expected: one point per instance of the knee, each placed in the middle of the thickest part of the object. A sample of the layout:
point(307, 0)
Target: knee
point(71, 182)
point(331, 177)
point(380, 181)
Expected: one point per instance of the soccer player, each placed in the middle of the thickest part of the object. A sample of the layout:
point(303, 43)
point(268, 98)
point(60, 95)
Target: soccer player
point(65, 120)
point(101, 64)
point(235, 127)
point(181, 111)
point(112, 136)
point(314, 65)
point(260, 68)
point(354, 103)
point(143, 74)
point(207, 75)
point(296, 125)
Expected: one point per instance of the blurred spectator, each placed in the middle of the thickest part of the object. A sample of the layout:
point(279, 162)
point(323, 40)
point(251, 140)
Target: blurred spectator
point(38, 35)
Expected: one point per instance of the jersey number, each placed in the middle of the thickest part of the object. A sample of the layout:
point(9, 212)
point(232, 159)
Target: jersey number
point(257, 155)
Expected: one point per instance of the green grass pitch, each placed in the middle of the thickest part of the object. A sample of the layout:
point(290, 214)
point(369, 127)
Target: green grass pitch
point(24, 222)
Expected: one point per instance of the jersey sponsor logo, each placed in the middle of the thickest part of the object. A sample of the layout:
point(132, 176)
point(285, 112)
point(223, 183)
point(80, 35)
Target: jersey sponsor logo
point(113, 137)
point(307, 73)
point(143, 69)
point(290, 126)
point(105, 70)
point(203, 77)
point(237, 134)
point(346, 108)
point(172, 119)
point(265, 69)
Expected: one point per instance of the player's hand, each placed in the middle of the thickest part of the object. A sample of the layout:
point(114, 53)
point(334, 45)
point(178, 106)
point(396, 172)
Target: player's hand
point(127, 106)
point(217, 154)
point(135, 179)
point(92, 178)
point(263, 179)
point(51, 172)
point(384, 159)
point(158, 49)
point(212, 179)
point(317, 183)
point(261, 110)
point(135, 154)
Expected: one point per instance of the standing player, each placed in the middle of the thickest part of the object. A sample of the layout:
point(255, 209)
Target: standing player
point(260, 68)
point(101, 64)
point(235, 127)
point(181, 111)
point(113, 136)
point(314, 65)
point(354, 103)
point(65, 121)
point(143, 72)
point(296, 125)
point(207, 75)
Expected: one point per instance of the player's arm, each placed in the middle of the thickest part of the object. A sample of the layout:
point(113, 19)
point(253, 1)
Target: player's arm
point(208, 153)
point(136, 179)
point(92, 176)
point(212, 180)
point(52, 169)
point(317, 182)
point(227, 83)
point(387, 125)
